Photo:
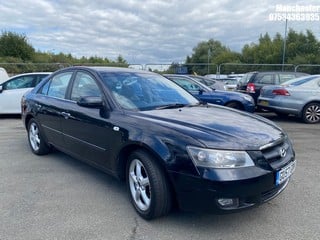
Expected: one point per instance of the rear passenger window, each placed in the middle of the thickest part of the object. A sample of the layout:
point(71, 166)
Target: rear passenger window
point(266, 79)
point(57, 86)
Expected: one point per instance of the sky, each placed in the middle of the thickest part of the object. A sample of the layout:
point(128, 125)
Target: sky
point(151, 31)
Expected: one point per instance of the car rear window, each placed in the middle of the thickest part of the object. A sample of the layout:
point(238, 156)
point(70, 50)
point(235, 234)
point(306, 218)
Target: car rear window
point(246, 78)
point(285, 77)
point(303, 81)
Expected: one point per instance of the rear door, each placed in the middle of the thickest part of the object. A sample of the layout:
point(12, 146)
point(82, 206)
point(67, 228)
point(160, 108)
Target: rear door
point(50, 106)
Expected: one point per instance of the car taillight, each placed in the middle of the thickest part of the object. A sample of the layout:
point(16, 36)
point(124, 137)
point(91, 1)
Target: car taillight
point(282, 92)
point(251, 88)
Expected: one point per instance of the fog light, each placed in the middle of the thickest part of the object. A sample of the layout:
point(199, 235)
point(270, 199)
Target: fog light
point(228, 202)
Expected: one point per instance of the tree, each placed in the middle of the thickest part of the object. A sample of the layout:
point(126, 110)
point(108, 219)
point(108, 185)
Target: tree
point(15, 45)
point(209, 52)
point(300, 49)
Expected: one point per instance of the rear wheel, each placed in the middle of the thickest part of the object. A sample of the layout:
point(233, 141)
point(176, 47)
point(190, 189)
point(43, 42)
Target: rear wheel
point(36, 140)
point(147, 185)
point(311, 113)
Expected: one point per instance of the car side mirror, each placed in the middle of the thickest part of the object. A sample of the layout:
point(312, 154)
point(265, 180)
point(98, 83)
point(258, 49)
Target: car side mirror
point(201, 91)
point(90, 102)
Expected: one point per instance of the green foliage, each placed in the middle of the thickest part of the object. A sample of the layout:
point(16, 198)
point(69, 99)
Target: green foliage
point(300, 49)
point(15, 45)
point(17, 55)
point(209, 52)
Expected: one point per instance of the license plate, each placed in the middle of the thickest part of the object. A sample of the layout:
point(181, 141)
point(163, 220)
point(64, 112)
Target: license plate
point(285, 173)
point(264, 103)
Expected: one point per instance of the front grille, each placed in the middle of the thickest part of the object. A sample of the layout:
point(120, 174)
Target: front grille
point(272, 153)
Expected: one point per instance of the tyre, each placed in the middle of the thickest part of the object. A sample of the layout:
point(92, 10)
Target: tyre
point(36, 140)
point(311, 113)
point(148, 188)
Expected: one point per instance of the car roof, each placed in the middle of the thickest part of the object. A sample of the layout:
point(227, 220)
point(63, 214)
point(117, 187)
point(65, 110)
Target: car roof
point(276, 72)
point(26, 74)
point(107, 69)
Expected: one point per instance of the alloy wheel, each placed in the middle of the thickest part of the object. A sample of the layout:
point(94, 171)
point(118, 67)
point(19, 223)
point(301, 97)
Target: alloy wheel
point(139, 185)
point(34, 136)
point(312, 113)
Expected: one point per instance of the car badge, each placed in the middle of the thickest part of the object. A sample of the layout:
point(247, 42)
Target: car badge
point(283, 152)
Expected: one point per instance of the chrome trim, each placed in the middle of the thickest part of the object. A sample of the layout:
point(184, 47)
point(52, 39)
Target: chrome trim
point(274, 143)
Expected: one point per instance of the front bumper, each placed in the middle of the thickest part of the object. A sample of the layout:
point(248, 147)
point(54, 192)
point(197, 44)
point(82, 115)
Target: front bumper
point(201, 194)
point(250, 107)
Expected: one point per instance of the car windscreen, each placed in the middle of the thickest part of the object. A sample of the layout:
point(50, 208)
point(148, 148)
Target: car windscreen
point(144, 91)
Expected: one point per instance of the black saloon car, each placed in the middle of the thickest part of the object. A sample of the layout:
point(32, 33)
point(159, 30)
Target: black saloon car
point(168, 147)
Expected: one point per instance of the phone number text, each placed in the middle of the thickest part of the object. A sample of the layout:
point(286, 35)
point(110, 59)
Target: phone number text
point(294, 17)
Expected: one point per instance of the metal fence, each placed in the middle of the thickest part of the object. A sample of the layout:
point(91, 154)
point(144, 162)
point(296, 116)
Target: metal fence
point(181, 68)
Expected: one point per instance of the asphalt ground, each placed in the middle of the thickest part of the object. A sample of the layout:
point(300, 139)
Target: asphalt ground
point(58, 197)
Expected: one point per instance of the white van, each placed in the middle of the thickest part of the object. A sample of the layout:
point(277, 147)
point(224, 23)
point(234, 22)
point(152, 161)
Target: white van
point(3, 75)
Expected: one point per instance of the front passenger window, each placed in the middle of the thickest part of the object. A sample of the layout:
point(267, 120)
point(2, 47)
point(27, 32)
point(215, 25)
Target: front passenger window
point(84, 86)
point(20, 82)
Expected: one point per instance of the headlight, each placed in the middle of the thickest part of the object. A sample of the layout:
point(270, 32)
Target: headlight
point(202, 157)
point(248, 98)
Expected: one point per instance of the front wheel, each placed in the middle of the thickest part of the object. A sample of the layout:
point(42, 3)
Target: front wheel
point(36, 140)
point(148, 188)
point(311, 113)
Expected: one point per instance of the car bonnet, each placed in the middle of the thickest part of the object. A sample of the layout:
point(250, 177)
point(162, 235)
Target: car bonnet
point(217, 127)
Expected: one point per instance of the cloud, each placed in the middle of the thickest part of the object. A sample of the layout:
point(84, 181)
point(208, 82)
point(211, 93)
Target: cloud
point(143, 31)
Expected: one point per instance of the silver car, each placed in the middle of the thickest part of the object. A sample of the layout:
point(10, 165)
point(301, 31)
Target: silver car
point(299, 96)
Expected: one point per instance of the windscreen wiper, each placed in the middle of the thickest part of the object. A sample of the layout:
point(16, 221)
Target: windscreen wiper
point(172, 105)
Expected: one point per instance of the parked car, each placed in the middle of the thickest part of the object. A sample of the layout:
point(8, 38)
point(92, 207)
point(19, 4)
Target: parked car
point(213, 84)
point(13, 89)
point(300, 97)
point(226, 98)
point(3, 75)
point(252, 82)
point(230, 83)
point(170, 148)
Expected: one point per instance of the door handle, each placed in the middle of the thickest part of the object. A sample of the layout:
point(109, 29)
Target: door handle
point(65, 115)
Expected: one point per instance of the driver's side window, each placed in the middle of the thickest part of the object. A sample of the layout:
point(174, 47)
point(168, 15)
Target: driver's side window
point(84, 86)
point(19, 82)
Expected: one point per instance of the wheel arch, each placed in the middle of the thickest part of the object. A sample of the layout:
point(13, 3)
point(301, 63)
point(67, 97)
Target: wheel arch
point(306, 104)
point(233, 103)
point(129, 149)
point(27, 120)
point(123, 159)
